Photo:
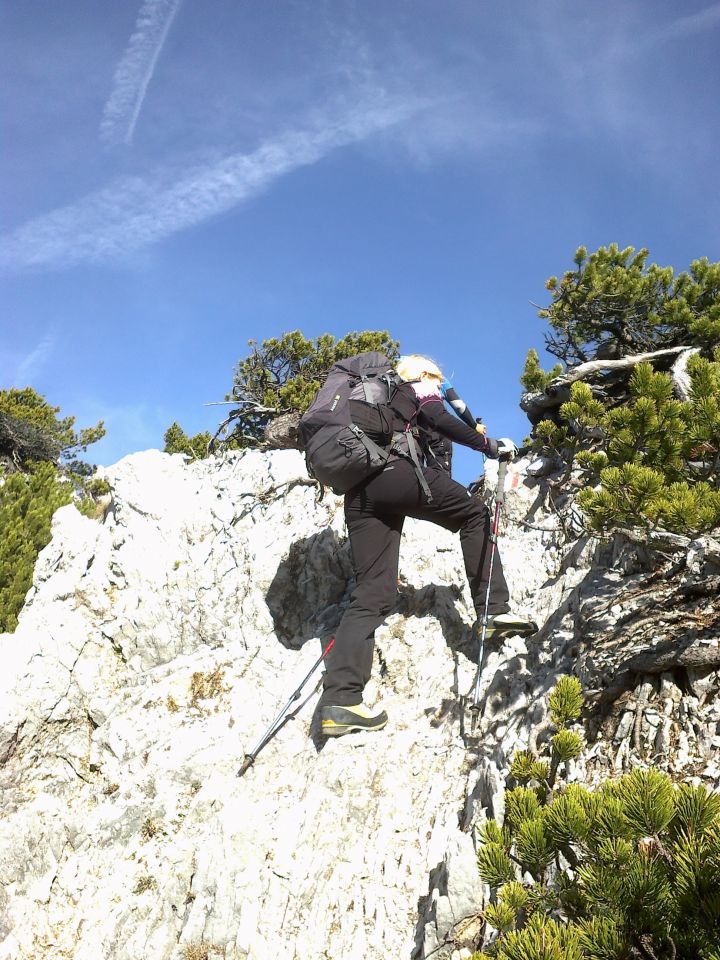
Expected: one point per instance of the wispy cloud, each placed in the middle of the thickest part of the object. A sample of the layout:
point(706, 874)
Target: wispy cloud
point(682, 27)
point(134, 212)
point(590, 63)
point(29, 366)
point(135, 70)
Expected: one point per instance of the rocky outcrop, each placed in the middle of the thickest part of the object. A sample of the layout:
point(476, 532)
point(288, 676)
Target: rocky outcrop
point(156, 647)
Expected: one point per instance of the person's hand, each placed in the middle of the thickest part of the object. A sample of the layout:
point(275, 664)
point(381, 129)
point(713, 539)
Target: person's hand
point(481, 428)
point(507, 450)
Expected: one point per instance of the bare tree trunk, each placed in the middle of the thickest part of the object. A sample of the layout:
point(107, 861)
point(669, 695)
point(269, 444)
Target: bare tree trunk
point(281, 433)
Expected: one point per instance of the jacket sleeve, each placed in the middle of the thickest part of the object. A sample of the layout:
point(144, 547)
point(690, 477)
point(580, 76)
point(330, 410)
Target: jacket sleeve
point(432, 415)
point(458, 404)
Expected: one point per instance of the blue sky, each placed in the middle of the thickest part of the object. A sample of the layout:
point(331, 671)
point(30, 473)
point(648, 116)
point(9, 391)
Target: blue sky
point(180, 177)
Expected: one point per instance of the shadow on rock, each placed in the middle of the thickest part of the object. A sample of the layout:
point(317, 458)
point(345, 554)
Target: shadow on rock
point(310, 589)
point(315, 732)
point(427, 908)
point(439, 601)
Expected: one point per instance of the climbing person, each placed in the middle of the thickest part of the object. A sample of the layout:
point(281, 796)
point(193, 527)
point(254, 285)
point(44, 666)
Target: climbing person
point(437, 448)
point(375, 509)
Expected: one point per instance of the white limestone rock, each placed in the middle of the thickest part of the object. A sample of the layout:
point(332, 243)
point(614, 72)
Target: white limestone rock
point(155, 649)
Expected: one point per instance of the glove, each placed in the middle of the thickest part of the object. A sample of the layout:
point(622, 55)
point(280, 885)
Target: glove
point(506, 449)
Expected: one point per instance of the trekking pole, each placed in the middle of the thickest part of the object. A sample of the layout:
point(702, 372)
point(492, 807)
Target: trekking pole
point(499, 500)
point(278, 721)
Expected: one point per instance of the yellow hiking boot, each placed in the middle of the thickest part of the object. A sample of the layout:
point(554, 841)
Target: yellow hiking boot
point(337, 721)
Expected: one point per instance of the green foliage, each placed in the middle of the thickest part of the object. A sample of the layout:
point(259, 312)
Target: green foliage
point(628, 870)
point(648, 800)
point(613, 297)
point(97, 487)
point(533, 846)
point(540, 940)
point(525, 767)
point(501, 916)
point(31, 431)
point(521, 804)
point(565, 703)
point(533, 376)
point(39, 472)
point(653, 461)
point(515, 895)
point(648, 458)
point(177, 441)
point(495, 865)
point(601, 939)
point(283, 374)
point(27, 504)
point(567, 820)
point(695, 810)
point(490, 832)
point(567, 745)
point(696, 305)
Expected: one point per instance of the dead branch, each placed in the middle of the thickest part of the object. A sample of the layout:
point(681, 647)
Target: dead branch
point(658, 539)
point(584, 370)
point(658, 660)
point(679, 373)
point(557, 392)
point(674, 542)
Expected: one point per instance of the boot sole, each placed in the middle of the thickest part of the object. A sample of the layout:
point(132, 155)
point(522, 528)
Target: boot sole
point(332, 729)
point(511, 631)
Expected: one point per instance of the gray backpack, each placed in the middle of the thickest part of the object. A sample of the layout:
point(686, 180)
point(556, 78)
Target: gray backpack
point(339, 453)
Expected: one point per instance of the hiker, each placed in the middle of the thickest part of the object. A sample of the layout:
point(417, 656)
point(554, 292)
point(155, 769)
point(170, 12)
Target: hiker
point(375, 510)
point(437, 448)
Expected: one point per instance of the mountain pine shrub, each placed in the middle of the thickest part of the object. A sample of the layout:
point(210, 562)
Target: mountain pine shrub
point(177, 441)
point(39, 472)
point(533, 376)
point(648, 459)
point(653, 461)
point(27, 504)
point(31, 431)
point(613, 297)
point(283, 374)
point(629, 870)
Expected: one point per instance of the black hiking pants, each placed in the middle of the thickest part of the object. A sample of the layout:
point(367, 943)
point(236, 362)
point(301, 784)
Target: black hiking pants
point(375, 512)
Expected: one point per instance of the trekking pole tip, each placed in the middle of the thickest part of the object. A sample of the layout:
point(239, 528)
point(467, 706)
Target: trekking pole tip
point(247, 763)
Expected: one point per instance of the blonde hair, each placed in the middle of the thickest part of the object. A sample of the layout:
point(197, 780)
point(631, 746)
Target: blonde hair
point(416, 367)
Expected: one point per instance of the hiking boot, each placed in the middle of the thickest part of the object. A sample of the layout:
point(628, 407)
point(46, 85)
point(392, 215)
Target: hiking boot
point(505, 625)
point(337, 721)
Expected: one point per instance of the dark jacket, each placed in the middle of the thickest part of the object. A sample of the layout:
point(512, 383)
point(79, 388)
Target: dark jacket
point(428, 418)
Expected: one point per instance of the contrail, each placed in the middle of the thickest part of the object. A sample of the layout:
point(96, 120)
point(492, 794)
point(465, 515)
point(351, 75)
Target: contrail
point(135, 70)
point(134, 212)
point(31, 364)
